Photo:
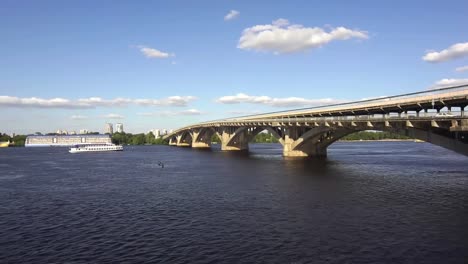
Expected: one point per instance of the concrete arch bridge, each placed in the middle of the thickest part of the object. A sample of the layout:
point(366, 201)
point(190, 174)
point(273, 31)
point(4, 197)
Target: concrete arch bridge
point(435, 116)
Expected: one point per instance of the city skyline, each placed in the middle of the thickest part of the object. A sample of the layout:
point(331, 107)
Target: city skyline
point(108, 129)
point(81, 65)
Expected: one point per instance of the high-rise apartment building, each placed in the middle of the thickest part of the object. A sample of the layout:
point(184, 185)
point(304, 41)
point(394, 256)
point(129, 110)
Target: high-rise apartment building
point(157, 133)
point(109, 128)
point(119, 128)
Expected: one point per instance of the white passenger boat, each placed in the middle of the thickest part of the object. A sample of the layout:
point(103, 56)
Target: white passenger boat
point(95, 148)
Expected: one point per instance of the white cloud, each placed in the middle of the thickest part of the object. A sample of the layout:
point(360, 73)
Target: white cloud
point(277, 102)
point(113, 116)
point(462, 69)
point(448, 82)
point(243, 112)
point(78, 117)
point(97, 101)
point(92, 102)
point(240, 113)
point(231, 15)
point(154, 53)
point(38, 102)
point(173, 113)
point(282, 37)
point(190, 112)
point(169, 101)
point(453, 52)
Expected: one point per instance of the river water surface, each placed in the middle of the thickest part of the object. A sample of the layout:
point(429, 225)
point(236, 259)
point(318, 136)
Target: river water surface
point(368, 202)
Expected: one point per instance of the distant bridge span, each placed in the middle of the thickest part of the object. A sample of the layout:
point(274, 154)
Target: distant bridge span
point(436, 116)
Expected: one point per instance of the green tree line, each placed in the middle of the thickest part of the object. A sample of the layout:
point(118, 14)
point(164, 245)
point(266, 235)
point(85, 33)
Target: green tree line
point(150, 139)
point(361, 135)
point(259, 138)
point(368, 135)
point(136, 139)
point(17, 139)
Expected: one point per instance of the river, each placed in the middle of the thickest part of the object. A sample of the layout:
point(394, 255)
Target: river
point(368, 202)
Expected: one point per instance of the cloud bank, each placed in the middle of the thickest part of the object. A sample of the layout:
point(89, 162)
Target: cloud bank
point(154, 53)
point(276, 102)
point(462, 69)
point(231, 15)
point(283, 37)
point(113, 116)
point(92, 102)
point(448, 82)
point(453, 52)
point(188, 112)
point(78, 117)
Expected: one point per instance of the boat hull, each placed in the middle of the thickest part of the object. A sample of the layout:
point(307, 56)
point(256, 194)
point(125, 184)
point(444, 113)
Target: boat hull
point(95, 148)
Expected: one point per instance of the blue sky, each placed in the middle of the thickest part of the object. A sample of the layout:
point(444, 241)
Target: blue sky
point(165, 64)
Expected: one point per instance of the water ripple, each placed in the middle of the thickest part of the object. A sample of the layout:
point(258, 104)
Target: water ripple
point(367, 203)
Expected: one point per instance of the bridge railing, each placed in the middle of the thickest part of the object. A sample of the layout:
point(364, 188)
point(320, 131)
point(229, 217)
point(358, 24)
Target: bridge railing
point(288, 115)
point(435, 95)
point(422, 116)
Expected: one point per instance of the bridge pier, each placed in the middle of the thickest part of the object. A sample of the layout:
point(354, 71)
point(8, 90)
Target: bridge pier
point(201, 139)
point(305, 142)
point(313, 151)
point(183, 141)
point(200, 145)
point(234, 139)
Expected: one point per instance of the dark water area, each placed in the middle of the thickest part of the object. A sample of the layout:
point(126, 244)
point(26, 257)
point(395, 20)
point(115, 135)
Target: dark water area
point(368, 202)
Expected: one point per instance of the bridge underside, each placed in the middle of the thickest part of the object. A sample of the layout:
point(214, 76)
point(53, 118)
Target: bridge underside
point(302, 139)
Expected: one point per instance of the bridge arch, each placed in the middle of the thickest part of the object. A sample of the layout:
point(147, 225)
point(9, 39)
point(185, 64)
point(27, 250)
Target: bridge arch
point(247, 134)
point(427, 115)
point(316, 143)
point(185, 139)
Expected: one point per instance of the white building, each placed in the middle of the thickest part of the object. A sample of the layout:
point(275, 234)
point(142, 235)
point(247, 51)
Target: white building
point(109, 129)
point(84, 131)
point(156, 132)
point(119, 128)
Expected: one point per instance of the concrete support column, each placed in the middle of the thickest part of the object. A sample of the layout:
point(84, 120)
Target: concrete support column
point(200, 145)
point(173, 142)
point(230, 141)
point(181, 142)
point(462, 111)
point(200, 141)
point(293, 148)
point(288, 150)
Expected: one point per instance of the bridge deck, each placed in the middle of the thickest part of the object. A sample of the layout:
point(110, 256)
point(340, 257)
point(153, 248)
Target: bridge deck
point(454, 97)
point(373, 109)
